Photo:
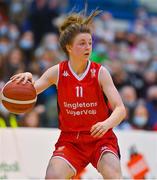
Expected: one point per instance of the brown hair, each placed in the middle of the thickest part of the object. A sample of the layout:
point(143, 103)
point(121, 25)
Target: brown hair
point(73, 25)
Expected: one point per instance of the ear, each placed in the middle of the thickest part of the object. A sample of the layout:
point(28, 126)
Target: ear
point(68, 47)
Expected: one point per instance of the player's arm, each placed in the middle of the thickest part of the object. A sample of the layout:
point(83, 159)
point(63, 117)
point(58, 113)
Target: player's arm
point(118, 113)
point(47, 79)
point(113, 97)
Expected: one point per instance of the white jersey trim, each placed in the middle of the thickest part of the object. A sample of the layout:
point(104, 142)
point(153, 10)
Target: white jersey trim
point(99, 74)
point(83, 75)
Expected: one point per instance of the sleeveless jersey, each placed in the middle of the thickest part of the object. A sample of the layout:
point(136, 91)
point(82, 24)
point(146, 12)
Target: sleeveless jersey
point(81, 101)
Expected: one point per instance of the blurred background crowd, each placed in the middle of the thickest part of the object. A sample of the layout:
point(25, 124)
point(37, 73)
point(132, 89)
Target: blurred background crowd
point(124, 41)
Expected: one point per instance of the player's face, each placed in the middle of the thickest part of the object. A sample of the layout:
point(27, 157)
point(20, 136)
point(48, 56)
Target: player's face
point(82, 46)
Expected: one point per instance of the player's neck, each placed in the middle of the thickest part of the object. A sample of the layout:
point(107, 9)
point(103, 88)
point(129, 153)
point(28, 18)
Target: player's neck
point(79, 67)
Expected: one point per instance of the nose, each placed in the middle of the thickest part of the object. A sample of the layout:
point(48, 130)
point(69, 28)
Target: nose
point(88, 46)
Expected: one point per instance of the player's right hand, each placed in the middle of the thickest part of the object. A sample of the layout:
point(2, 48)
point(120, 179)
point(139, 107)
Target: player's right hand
point(22, 77)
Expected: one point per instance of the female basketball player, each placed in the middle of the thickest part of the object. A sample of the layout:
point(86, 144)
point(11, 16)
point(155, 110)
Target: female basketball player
point(84, 90)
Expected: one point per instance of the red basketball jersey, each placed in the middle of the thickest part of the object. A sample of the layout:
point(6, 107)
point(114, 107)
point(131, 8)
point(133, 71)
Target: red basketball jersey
point(81, 100)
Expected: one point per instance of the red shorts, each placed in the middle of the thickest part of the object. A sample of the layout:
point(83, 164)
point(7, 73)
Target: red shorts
point(80, 149)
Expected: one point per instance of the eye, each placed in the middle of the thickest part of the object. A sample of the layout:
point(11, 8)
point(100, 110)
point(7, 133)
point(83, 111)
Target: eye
point(90, 43)
point(82, 43)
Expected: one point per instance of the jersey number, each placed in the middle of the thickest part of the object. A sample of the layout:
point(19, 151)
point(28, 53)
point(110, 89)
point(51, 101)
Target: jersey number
point(79, 91)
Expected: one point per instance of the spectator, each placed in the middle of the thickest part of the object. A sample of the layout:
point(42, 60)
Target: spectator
point(15, 62)
point(129, 97)
point(5, 45)
point(152, 107)
point(140, 117)
point(30, 119)
point(26, 43)
point(120, 77)
point(41, 17)
point(150, 79)
point(13, 33)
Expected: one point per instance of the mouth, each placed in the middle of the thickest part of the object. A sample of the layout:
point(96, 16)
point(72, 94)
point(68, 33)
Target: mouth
point(87, 54)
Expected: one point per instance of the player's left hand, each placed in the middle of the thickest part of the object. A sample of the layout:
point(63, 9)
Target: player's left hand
point(99, 129)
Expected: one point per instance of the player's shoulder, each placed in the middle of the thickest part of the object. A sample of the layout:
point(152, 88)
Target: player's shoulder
point(63, 63)
point(54, 68)
point(95, 65)
point(100, 68)
point(104, 74)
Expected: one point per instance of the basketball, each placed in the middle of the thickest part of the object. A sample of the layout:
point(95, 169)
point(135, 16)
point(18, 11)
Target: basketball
point(18, 98)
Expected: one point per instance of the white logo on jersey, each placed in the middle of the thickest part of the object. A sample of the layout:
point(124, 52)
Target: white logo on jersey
point(93, 71)
point(60, 148)
point(65, 74)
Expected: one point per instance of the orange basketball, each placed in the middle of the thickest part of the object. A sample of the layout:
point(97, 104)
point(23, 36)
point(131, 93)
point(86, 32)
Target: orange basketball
point(18, 98)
